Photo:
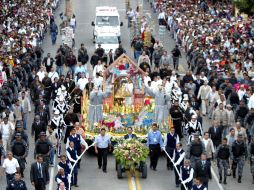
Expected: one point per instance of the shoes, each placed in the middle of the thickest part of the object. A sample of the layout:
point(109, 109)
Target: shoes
point(177, 185)
point(225, 182)
point(76, 185)
point(220, 181)
point(105, 171)
point(99, 167)
point(154, 169)
point(239, 179)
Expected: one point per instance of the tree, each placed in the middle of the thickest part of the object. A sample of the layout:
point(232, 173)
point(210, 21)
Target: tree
point(245, 6)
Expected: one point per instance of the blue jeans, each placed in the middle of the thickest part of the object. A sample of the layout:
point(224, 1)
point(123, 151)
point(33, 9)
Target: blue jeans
point(25, 120)
point(53, 37)
point(59, 70)
point(137, 54)
point(72, 69)
point(52, 155)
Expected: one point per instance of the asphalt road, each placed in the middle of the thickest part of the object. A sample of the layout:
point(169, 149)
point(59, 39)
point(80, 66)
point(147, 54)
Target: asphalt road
point(91, 178)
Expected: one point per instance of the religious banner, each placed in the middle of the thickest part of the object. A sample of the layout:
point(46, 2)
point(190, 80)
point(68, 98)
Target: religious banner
point(68, 9)
point(67, 35)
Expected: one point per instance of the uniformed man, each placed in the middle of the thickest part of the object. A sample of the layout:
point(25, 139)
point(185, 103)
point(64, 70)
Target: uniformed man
point(178, 158)
point(223, 154)
point(62, 106)
point(102, 146)
point(251, 156)
point(20, 129)
point(78, 141)
point(43, 147)
point(64, 163)
point(72, 157)
point(170, 141)
point(238, 155)
point(62, 176)
point(186, 173)
point(19, 149)
point(194, 150)
point(198, 185)
point(155, 144)
point(17, 183)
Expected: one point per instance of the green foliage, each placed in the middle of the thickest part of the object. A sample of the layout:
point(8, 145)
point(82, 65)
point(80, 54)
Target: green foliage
point(130, 153)
point(245, 6)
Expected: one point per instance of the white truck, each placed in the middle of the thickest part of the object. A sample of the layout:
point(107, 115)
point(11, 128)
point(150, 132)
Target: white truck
point(107, 41)
point(107, 20)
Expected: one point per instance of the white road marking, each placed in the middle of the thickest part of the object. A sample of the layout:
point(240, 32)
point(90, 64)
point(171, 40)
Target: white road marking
point(216, 179)
point(52, 177)
point(133, 182)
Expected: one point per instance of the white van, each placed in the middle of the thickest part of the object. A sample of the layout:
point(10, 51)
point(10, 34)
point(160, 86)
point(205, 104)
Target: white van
point(107, 41)
point(107, 20)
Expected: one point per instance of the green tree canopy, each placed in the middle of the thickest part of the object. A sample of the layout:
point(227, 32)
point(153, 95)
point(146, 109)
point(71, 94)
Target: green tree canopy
point(245, 6)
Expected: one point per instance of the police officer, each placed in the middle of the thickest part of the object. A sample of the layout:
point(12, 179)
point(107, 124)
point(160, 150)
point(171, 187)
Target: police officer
point(17, 183)
point(238, 155)
point(19, 129)
point(251, 155)
point(178, 158)
point(19, 149)
point(43, 147)
point(170, 141)
point(223, 154)
point(186, 173)
point(194, 150)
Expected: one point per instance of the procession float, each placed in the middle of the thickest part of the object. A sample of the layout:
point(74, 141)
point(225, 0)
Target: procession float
point(126, 106)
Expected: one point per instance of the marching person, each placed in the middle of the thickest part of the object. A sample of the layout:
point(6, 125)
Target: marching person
point(155, 144)
point(130, 134)
point(223, 154)
point(251, 157)
point(39, 175)
point(37, 128)
point(177, 117)
point(19, 149)
point(209, 147)
point(170, 141)
point(194, 150)
point(178, 158)
point(65, 164)
point(193, 126)
point(52, 137)
point(72, 156)
point(203, 94)
point(102, 146)
point(186, 173)
point(26, 105)
point(43, 147)
point(215, 133)
point(198, 185)
point(78, 140)
point(11, 166)
point(203, 170)
point(6, 129)
point(238, 154)
point(17, 183)
point(62, 176)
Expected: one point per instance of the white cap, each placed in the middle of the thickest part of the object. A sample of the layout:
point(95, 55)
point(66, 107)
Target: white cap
point(56, 112)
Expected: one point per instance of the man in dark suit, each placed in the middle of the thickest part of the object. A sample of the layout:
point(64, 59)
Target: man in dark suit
point(203, 170)
point(37, 127)
point(215, 133)
point(39, 174)
point(130, 135)
point(199, 82)
point(44, 115)
point(48, 62)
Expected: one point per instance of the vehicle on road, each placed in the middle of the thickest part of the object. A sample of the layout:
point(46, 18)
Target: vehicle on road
point(107, 20)
point(107, 41)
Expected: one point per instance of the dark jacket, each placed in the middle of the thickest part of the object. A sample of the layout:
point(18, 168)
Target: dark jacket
point(203, 172)
point(34, 173)
point(133, 136)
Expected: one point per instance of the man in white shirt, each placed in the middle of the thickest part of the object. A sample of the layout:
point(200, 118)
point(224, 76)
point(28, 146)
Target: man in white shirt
point(11, 166)
point(53, 74)
point(41, 73)
point(6, 129)
point(98, 80)
point(82, 82)
point(161, 17)
point(251, 102)
point(98, 68)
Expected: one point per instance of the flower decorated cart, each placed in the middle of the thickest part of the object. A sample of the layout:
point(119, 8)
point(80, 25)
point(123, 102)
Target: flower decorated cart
point(131, 156)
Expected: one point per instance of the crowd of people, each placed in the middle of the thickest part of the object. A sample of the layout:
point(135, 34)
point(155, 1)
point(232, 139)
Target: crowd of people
point(218, 85)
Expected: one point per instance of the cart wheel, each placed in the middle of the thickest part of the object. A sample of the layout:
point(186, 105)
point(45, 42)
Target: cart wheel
point(119, 171)
point(144, 171)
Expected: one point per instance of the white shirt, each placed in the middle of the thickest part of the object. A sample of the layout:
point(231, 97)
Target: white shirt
point(146, 80)
point(28, 103)
point(6, 130)
point(10, 166)
point(83, 142)
point(180, 158)
point(41, 75)
point(97, 69)
point(161, 15)
point(206, 141)
point(82, 83)
point(98, 81)
point(251, 102)
point(190, 176)
point(53, 75)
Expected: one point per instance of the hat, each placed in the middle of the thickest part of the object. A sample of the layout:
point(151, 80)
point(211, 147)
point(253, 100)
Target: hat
point(61, 98)
point(240, 135)
point(18, 135)
point(228, 106)
point(185, 97)
point(196, 134)
point(194, 116)
point(42, 134)
point(19, 126)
